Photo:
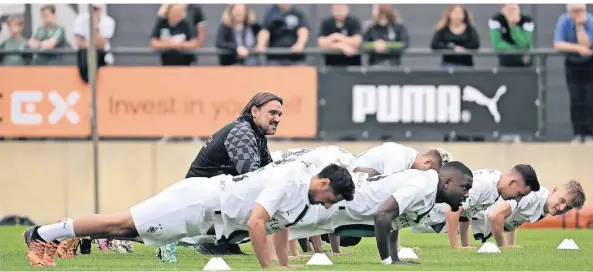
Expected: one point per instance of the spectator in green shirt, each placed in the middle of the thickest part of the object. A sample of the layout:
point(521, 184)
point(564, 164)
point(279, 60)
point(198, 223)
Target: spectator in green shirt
point(47, 37)
point(512, 31)
point(15, 42)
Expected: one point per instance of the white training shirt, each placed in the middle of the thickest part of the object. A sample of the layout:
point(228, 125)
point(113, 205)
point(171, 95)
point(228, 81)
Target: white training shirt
point(483, 192)
point(282, 191)
point(529, 209)
point(319, 157)
point(414, 191)
point(387, 158)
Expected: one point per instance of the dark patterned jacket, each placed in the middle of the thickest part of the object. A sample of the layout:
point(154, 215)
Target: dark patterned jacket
point(238, 148)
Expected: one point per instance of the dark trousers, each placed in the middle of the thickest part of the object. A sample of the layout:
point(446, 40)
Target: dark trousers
point(579, 80)
point(82, 63)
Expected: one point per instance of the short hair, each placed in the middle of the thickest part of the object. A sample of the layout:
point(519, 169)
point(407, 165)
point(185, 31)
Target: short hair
point(340, 181)
point(440, 155)
point(15, 18)
point(50, 7)
point(528, 174)
point(458, 166)
point(576, 192)
point(257, 101)
point(569, 6)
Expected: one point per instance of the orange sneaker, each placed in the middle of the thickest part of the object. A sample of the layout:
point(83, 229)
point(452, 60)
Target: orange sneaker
point(36, 247)
point(66, 248)
point(50, 252)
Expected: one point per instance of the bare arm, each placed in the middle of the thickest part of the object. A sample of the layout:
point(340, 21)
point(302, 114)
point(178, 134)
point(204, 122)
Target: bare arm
point(452, 219)
point(317, 245)
point(263, 37)
point(354, 40)
point(582, 37)
point(567, 47)
point(496, 218)
point(281, 245)
point(302, 36)
point(464, 233)
point(201, 36)
point(387, 211)
point(257, 234)
point(160, 44)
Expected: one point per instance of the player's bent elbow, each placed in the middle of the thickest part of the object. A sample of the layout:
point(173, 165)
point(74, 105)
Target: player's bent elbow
point(493, 217)
point(253, 224)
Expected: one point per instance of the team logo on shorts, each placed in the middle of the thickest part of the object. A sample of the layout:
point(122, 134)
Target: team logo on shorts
point(154, 229)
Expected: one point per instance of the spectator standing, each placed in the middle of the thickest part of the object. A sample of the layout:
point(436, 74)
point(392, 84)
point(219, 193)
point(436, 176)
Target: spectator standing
point(512, 31)
point(284, 26)
point(47, 37)
point(238, 33)
point(455, 31)
point(195, 17)
point(386, 36)
point(574, 36)
point(341, 31)
point(16, 41)
point(105, 28)
point(174, 34)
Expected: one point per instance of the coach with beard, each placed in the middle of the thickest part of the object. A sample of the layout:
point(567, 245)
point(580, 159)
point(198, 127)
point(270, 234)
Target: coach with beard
point(238, 148)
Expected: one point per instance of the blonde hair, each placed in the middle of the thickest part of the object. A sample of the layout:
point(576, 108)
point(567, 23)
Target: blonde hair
point(387, 10)
point(576, 193)
point(227, 18)
point(468, 18)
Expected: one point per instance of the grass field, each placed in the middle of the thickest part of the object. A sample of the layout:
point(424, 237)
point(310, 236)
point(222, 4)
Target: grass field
point(538, 252)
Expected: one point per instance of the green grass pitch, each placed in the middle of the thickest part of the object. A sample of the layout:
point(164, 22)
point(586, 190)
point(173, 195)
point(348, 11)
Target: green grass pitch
point(538, 253)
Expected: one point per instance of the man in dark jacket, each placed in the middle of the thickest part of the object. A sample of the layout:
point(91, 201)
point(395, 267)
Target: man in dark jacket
point(512, 31)
point(236, 149)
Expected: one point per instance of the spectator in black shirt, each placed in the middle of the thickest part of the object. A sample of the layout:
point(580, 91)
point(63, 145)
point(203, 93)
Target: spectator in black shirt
point(341, 31)
point(284, 26)
point(174, 34)
point(238, 32)
point(196, 18)
point(386, 36)
point(455, 32)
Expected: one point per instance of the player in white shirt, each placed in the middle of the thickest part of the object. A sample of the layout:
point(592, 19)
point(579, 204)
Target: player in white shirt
point(392, 157)
point(387, 158)
point(393, 199)
point(506, 216)
point(261, 202)
point(489, 185)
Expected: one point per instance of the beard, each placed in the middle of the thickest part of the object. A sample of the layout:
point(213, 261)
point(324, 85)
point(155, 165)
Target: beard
point(454, 207)
point(311, 198)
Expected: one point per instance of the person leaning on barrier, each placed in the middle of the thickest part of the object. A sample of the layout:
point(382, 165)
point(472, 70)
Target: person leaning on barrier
point(455, 31)
point(48, 36)
point(284, 26)
point(174, 33)
point(574, 36)
point(16, 41)
point(195, 17)
point(386, 36)
point(238, 33)
point(512, 31)
point(341, 31)
point(105, 27)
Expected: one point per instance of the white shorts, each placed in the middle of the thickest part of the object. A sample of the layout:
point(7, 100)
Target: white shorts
point(184, 209)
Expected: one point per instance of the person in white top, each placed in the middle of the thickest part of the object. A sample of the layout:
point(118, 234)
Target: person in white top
point(506, 216)
point(489, 186)
point(389, 201)
point(105, 28)
point(392, 157)
point(387, 158)
point(259, 203)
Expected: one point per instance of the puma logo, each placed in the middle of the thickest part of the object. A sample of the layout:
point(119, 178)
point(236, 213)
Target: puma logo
point(471, 94)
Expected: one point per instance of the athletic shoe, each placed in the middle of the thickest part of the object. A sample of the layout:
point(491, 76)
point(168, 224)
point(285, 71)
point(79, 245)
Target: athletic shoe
point(36, 247)
point(235, 249)
point(122, 246)
point(166, 253)
point(85, 246)
point(67, 248)
point(103, 244)
point(50, 253)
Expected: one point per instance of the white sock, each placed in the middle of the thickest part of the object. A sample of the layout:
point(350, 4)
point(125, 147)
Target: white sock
point(61, 230)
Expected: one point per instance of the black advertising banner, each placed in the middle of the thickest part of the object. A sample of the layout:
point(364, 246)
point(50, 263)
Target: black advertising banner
point(425, 105)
